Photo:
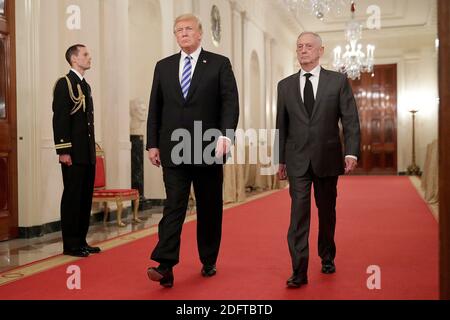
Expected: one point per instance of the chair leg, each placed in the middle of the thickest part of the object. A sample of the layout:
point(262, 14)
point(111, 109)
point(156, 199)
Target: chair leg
point(105, 212)
point(135, 210)
point(119, 213)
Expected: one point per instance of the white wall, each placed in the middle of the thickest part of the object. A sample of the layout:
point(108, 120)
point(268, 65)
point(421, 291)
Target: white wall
point(145, 41)
point(282, 66)
point(255, 115)
point(41, 43)
point(146, 47)
point(419, 91)
point(203, 10)
point(254, 45)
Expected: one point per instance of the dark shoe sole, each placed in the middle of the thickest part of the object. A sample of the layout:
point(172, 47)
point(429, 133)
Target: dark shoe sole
point(76, 254)
point(328, 270)
point(295, 285)
point(208, 274)
point(166, 284)
point(93, 251)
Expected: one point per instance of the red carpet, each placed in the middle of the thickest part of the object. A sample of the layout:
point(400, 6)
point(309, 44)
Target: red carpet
point(380, 221)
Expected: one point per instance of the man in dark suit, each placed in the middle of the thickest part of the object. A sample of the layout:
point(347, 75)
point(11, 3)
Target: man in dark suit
point(191, 88)
point(311, 103)
point(73, 129)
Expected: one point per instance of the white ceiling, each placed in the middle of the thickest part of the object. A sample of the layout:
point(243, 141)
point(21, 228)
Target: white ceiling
point(404, 16)
point(407, 26)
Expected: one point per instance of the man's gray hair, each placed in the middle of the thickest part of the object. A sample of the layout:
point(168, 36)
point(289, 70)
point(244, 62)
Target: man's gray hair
point(188, 17)
point(311, 33)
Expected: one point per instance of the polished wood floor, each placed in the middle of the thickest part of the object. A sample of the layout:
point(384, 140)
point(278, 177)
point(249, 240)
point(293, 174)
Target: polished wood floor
point(20, 252)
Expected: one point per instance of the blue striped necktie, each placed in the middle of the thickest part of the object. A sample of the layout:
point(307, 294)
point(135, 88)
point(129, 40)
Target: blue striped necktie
point(186, 77)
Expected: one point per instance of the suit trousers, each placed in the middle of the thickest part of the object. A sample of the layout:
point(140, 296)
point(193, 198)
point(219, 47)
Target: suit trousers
point(76, 204)
point(325, 193)
point(208, 185)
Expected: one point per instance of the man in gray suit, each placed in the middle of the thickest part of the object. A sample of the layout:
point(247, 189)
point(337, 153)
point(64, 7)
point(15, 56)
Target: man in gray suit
point(310, 105)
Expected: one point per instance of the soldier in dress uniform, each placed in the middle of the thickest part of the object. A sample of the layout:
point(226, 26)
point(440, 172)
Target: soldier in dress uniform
point(73, 128)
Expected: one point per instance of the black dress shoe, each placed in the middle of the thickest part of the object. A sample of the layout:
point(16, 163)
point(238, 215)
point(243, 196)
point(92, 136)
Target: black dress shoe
point(209, 270)
point(296, 281)
point(90, 249)
point(164, 276)
point(76, 253)
point(328, 267)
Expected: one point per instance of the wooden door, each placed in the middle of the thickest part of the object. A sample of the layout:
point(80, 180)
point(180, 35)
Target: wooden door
point(376, 97)
point(8, 127)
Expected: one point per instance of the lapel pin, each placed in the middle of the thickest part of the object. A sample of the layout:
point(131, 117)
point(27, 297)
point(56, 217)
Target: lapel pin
point(204, 61)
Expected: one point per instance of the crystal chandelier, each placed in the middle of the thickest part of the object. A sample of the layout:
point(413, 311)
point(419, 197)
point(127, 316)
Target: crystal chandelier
point(318, 8)
point(353, 62)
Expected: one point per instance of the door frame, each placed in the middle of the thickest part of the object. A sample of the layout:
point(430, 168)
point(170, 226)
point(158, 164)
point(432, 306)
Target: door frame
point(12, 230)
point(444, 148)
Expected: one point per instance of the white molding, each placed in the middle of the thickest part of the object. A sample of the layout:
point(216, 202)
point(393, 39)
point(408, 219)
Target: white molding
point(237, 45)
point(115, 74)
point(276, 27)
point(27, 38)
point(125, 145)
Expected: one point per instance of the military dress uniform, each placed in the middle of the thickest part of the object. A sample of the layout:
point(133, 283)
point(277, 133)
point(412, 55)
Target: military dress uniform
point(73, 128)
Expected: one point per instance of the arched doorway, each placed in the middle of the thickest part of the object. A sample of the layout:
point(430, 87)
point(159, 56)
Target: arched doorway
point(256, 114)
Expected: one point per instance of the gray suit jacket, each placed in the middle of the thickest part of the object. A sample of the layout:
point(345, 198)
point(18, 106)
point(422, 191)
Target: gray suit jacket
point(317, 140)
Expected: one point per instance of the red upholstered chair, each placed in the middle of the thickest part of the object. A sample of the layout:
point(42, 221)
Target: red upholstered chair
point(101, 194)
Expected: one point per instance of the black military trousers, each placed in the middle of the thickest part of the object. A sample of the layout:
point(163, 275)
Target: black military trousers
point(76, 204)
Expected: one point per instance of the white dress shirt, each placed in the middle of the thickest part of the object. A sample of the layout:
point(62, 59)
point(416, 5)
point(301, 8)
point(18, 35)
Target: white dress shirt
point(194, 59)
point(314, 80)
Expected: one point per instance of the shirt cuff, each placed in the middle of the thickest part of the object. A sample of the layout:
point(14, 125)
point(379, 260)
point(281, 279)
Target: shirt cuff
point(228, 139)
point(353, 157)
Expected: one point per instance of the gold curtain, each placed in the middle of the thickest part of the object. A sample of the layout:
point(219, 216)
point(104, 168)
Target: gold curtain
point(429, 180)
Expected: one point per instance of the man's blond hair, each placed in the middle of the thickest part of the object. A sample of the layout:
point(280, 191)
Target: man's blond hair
point(188, 17)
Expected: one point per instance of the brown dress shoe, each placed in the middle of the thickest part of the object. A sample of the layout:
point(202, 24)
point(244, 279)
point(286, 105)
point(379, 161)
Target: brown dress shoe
point(164, 276)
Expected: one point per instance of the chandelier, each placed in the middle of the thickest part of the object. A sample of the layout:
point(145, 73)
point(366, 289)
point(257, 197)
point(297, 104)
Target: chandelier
point(318, 8)
point(353, 62)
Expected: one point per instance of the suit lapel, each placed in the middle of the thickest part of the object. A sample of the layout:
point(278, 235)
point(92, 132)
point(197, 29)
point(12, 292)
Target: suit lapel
point(321, 89)
point(198, 73)
point(295, 87)
point(175, 75)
